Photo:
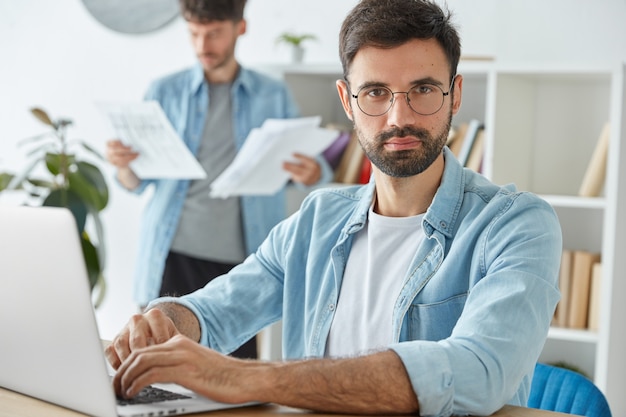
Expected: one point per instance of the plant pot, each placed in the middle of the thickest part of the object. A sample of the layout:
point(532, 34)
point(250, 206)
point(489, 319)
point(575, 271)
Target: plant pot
point(297, 54)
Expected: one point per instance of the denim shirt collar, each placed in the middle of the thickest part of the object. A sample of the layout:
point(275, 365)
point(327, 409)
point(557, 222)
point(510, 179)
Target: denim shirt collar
point(443, 211)
point(198, 82)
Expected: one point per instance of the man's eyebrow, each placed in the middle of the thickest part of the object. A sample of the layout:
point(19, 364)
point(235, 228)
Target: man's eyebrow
point(418, 81)
point(370, 84)
point(427, 80)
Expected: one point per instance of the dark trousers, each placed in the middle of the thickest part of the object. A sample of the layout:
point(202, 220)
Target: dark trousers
point(184, 274)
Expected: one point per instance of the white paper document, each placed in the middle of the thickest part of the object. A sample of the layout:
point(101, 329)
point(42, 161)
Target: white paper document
point(162, 153)
point(257, 168)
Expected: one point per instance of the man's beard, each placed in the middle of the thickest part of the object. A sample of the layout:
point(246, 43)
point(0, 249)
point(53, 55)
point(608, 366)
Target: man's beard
point(405, 163)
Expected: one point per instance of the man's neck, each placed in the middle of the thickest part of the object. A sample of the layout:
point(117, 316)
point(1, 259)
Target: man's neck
point(403, 197)
point(224, 74)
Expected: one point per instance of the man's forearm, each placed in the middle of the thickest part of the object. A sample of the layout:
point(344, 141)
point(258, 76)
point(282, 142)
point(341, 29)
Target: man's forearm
point(128, 178)
point(373, 384)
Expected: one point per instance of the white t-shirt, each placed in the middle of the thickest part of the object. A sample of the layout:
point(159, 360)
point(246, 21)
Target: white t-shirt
point(375, 272)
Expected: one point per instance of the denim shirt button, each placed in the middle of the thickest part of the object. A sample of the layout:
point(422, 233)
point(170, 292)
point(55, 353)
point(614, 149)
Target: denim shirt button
point(331, 307)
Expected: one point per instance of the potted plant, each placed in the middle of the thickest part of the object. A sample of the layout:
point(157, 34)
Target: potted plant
point(295, 41)
point(68, 182)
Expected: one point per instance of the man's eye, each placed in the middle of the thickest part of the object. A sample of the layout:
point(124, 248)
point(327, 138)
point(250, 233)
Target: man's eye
point(377, 93)
point(423, 89)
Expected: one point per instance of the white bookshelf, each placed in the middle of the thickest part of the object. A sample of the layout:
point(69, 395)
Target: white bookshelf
point(542, 123)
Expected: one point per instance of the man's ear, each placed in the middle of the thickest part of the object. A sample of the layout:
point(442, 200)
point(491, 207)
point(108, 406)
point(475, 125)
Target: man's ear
point(458, 93)
point(344, 96)
point(241, 27)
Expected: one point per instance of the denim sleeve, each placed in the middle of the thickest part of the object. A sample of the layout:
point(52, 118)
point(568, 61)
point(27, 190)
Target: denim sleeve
point(489, 358)
point(236, 306)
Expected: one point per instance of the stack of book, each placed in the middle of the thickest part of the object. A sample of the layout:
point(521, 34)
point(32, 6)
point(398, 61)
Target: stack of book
point(354, 167)
point(467, 143)
point(580, 279)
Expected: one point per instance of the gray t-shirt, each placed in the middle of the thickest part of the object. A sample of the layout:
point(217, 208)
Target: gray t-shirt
point(211, 228)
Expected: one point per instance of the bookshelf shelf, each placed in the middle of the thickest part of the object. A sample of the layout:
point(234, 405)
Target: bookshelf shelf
point(542, 123)
point(573, 335)
point(592, 203)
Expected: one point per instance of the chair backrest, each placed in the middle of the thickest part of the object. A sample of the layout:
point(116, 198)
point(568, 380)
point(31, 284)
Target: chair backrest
point(566, 391)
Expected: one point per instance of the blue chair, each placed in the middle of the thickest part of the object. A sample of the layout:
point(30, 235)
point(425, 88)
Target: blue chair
point(566, 391)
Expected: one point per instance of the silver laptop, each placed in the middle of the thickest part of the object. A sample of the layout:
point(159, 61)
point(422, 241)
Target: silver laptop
point(50, 348)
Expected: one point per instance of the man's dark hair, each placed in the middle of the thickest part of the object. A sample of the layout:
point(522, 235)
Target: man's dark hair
point(211, 10)
point(391, 23)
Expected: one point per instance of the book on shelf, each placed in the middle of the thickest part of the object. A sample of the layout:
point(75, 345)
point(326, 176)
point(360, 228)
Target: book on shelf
point(366, 170)
point(582, 267)
point(565, 275)
point(455, 139)
point(593, 180)
point(467, 143)
point(593, 317)
point(475, 157)
point(333, 153)
point(473, 127)
point(351, 163)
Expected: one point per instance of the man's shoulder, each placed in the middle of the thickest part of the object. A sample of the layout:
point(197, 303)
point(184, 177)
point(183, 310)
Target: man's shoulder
point(259, 80)
point(330, 200)
point(177, 78)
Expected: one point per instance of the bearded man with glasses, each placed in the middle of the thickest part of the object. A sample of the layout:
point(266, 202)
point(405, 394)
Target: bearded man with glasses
point(429, 290)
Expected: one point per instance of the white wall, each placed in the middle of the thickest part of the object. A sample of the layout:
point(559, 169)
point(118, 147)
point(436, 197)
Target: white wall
point(55, 55)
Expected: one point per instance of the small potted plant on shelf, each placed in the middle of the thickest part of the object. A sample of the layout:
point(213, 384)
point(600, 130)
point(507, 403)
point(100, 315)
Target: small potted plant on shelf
point(68, 182)
point(295, 41)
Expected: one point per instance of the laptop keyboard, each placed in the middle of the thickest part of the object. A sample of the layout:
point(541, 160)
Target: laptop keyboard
point(151, 394)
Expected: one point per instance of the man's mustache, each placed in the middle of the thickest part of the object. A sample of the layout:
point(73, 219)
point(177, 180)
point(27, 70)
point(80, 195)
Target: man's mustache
point(398, 132)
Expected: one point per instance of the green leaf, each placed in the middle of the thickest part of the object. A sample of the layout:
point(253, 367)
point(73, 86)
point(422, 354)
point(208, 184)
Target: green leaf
point(89, 183)
point(91, 150)
point(38, 182)
point(19, 178)
point(67, 198)
point(57, 162)
point(91, 259)
point(5, 179)
point(34, 139)
point(99, 230)
point(295, 39)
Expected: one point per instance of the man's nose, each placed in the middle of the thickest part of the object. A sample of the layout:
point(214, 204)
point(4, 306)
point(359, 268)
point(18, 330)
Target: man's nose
point(400, 113)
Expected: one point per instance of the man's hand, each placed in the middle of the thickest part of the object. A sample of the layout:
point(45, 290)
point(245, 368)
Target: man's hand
point(306, 171)
point(152, 327)
point(120, 155)
point(182, 361)
point(373, 384)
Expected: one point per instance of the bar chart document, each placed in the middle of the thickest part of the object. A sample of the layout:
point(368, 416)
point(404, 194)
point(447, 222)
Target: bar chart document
point(257, 169)
point(162, 153)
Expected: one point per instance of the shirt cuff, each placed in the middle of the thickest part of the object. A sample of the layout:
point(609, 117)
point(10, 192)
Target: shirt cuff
point(429, 370)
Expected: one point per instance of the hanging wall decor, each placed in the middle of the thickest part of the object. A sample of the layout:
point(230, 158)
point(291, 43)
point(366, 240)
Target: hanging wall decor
point(136, 16)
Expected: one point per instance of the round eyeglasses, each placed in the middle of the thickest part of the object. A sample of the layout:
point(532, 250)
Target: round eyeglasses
point(424, 99)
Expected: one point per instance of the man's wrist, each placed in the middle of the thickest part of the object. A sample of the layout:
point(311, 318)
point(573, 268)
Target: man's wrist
point(184, 319)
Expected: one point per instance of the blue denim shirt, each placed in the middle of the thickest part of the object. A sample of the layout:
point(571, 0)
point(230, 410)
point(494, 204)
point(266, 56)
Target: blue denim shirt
point(185, 100)
point(474, 309)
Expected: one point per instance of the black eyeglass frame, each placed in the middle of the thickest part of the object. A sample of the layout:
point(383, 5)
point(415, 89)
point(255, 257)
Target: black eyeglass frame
point(406, 96)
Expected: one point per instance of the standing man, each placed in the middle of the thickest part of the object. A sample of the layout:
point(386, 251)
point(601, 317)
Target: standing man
point(429, 290)
point(187, 237)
